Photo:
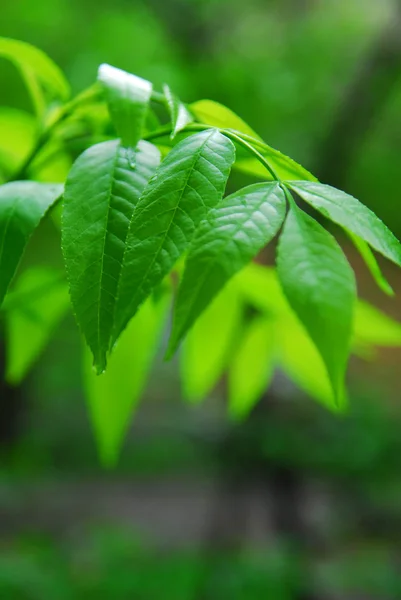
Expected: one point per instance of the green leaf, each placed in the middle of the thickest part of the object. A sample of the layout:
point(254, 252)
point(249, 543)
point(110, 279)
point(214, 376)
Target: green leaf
point(179, 114)
point(188, 183)
point(18, 132)
point(320, 287)
point(34, 309)
point(286, 168)
point(22, 206)
point(113, 396)
point(371, 326)
point(347, 211)
point(101, 192)
point(371, 263)
point(251, 368)
point(217, 115)
point(233, 233)
point(208, 347)
point(300, 360)
point(36, 68)
point(128, 97)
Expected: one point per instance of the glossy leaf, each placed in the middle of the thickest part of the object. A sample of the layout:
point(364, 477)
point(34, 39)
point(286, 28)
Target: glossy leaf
point(320, 287)
point(113, 396)
point(101, 193)
point(372, 264)
point(36, 68)
point(188, 183)
point(234, 232)
point(208, 347)
point(128, 98)
point(251, 368)
point(22, 206)
point(179, 114)
point(36, 306)
point(347, 211)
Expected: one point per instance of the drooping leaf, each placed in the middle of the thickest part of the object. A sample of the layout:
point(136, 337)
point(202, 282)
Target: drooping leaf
point(215, 114)
point(179, 114)
point(188, 183)
point(18, 132)
point(372, 326)
point(320, 287)
point(208, 347)
point(251, 368)
point(128, 98)
point(347, 211)
point(22, 206)
point(285, 168)
point(113, 396)
point(372, 264)
point(300, 360)
point(36, 68)
point(233, 233)
point(33, 310)
point(101, 193)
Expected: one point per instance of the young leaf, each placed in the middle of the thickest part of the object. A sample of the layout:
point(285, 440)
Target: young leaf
point(101, 193)
point(36, 67)
point(371, 326)
point(286, 168)
point(300, 360)
point(208, 347)
point(179, 114)
point(128, 97)
point(18, 133)
point(232, 234)
point(113, 396)
point(217, 115)
point(30, 322)
point(372, 264)
point(347, 211)
point(320, 287)
point(251, 368)
point(188, 183)
point(22, 205)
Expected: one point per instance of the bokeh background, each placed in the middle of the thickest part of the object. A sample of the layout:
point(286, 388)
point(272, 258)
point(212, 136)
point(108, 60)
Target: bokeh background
point(294, 503)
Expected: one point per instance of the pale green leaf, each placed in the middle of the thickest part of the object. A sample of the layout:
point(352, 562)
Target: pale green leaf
point(34, 309)
point(179, 114)
point(101, 193)
point(128, 98)
point(372, 264)
point(208, 347)
point(36, 68)
point(347, 211)
point(22, 206)
point(320, 287)
point(300, 360)
point(251, 368)
point(215, 114)
point(233, 233)
point(18, 131)
point(371, 326)
point(188, 183)
point(261, 289)
point(113, 396)
point(285, 168)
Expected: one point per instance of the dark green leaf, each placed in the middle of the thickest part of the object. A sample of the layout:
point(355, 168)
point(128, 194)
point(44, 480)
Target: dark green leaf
point(22, 206)
point(188, 183)
point(179, 114)
point(320, 287)
point(101, 193)
point(233, 233)
point(128, 97)
point(348, 212)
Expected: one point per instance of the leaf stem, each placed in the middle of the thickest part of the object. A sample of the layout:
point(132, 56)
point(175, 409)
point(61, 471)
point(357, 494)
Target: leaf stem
point(240, 140)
